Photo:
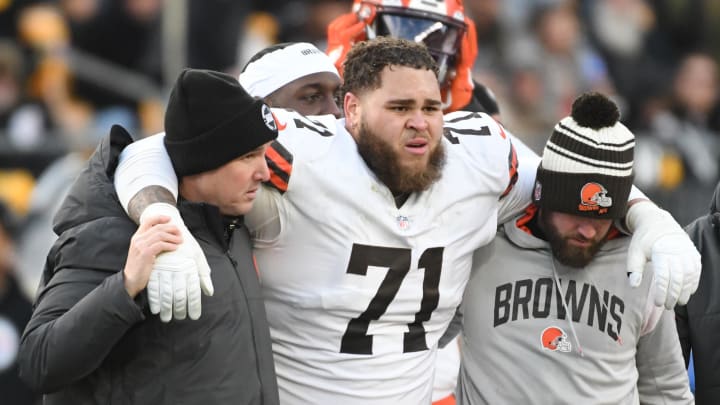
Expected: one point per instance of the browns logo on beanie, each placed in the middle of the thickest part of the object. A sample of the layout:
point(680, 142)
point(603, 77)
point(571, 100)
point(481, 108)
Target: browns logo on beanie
point(210, 120)
point(587, 165)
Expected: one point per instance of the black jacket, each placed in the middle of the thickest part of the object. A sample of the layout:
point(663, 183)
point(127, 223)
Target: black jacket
point(699, 321)
point(88, 342)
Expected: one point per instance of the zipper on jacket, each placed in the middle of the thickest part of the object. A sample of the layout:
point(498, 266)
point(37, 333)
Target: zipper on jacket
point(230, 229)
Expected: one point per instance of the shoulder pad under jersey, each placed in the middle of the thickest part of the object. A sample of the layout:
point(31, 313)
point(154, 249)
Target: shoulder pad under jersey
point(300, 137)
point(483, 143)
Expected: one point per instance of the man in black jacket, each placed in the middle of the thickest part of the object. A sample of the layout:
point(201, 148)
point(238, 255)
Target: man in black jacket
point(91, 339)
point(698, 322)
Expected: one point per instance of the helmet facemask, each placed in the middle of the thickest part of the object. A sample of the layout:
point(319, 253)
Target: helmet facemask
point(442, 35)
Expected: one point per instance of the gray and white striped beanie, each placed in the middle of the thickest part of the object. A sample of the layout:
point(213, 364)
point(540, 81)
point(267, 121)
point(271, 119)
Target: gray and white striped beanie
point(587, 164)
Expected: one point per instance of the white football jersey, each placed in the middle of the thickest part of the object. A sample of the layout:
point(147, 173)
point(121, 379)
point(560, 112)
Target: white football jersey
point(357, 290)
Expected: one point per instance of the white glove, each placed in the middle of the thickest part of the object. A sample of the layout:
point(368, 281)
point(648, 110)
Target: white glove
point(657, 237)
point(177, 276)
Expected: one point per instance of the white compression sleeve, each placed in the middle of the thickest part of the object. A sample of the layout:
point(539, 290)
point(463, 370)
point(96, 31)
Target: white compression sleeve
point(144, 163)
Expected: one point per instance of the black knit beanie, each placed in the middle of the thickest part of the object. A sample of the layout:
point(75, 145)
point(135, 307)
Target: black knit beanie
point(210, 120)
point(587, 164)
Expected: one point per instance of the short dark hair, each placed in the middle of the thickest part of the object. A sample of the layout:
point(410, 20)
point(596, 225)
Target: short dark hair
point(367, 59)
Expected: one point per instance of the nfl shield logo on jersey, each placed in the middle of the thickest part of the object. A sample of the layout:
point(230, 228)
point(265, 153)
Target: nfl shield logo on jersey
point(403, 222)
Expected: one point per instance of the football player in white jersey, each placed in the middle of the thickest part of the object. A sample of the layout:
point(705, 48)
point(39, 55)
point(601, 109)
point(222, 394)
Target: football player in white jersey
point(364, 237)
point(310, 89)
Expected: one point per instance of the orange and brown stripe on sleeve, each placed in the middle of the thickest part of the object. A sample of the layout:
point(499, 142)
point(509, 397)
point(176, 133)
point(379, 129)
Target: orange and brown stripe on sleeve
point(512, 170)
point(279, 161)
point(523, 221)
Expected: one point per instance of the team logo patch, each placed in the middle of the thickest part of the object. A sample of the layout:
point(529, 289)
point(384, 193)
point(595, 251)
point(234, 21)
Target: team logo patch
point(555, 340)
point(593, 197)
point(537, 192)
point(268, 118)
point(403, 222)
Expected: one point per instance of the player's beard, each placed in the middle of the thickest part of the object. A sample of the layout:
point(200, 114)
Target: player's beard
point(382, 159)
point(573, 256)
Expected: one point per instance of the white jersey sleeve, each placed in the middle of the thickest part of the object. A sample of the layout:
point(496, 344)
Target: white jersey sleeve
point(144, 163)
point(518, 198)
point(304, 137)
point(520, 165)
point(485, 145)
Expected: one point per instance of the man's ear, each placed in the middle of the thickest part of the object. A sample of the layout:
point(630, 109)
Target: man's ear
point(351, 105)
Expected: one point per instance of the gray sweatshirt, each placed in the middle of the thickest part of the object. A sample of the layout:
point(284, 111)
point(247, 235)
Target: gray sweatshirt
point(605, 343)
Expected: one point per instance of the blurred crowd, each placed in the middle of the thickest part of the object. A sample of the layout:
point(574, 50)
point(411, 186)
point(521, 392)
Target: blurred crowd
point(69, 69)
point(657, 59)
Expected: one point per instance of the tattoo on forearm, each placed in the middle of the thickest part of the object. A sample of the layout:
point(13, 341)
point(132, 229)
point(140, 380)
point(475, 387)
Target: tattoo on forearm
point(147, 196)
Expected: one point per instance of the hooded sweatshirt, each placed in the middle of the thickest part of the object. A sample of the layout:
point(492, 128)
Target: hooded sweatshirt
point(535, 331)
